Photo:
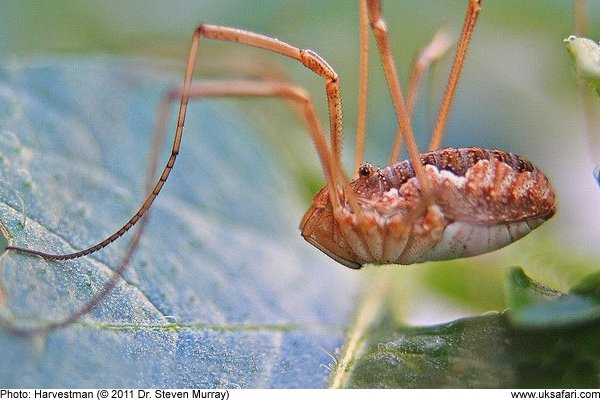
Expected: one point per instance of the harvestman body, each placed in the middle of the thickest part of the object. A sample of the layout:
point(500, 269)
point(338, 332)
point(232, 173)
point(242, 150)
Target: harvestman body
point(484, 200)
point(439, 205)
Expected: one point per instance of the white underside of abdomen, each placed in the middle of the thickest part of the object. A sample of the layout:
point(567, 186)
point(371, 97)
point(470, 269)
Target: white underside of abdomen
point(462, 239)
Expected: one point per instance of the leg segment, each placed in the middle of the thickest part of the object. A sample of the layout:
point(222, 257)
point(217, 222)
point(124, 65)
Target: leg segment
point(435, 50)
point(580, 12)
point(385, 52)
point(363, 86)
point(269, 89)
point(113, 280)
point(473, 10)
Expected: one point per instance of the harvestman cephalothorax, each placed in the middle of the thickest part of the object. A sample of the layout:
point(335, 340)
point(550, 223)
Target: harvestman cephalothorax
point(444, 204)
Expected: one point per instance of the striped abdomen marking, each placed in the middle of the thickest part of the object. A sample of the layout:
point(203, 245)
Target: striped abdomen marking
point(456, 161)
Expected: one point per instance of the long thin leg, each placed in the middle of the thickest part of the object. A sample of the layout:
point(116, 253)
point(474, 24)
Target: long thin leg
point(473, 10)
point(434, 51)
point(363, 85)
point(311, 60)
point(385, 52)
point(580, 11)
point(113, 280)
point(271, 89)
point(277, 89)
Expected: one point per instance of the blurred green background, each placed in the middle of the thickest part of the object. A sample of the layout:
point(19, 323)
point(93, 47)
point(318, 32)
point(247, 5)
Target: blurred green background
point(517, 93)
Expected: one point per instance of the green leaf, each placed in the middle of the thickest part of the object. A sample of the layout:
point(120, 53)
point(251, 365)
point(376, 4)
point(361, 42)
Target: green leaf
point(535, 305)
point(589, 287)
point(464, 353)
point(524, 291)
point(222, 292)
point(491, 350)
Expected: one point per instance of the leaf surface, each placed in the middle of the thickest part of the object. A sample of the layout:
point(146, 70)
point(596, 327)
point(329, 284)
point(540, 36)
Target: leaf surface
point(223, 292)
point(549, 339)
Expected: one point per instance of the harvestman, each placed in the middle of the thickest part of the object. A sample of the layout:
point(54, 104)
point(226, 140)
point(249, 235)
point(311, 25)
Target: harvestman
point(439, 205)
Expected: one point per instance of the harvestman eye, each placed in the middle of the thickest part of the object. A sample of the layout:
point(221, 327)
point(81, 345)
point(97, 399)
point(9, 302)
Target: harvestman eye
point(365, 170)
point(439, 205)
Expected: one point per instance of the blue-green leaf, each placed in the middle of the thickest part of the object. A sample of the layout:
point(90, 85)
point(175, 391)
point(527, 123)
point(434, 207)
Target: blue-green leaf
point(222, 291)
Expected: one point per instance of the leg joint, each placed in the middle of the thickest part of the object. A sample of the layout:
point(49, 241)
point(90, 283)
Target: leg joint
point(317, 64)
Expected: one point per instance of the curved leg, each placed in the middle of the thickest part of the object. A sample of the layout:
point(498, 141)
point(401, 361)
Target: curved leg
point(113, 280)
point(330, 159)
point(274, 89)
point(332, 165)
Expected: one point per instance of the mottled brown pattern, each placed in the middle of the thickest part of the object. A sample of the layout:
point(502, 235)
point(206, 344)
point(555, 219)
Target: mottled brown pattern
point(458, 161)
point(503, 187)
